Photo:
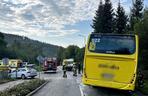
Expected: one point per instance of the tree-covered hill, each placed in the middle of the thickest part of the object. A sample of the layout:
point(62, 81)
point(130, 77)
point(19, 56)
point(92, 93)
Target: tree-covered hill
point(28, 49)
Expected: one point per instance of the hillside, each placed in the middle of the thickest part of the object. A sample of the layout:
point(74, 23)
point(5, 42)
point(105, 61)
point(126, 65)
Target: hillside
point(26, 48)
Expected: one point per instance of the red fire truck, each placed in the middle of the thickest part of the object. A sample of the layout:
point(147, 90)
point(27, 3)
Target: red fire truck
point(50, 65)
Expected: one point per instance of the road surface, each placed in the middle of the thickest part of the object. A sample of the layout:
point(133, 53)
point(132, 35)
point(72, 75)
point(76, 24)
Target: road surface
point(59, 86)
point(72, 86)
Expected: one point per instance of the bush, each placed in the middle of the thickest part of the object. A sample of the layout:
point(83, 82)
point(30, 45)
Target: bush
point(23, 89)
point(144, 90)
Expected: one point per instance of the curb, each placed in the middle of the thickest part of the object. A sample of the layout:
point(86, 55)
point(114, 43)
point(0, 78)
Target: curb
point(37, 89)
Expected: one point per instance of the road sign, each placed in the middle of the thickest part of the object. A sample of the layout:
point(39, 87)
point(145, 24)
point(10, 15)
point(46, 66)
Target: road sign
point(40, 59)
point(5, 61)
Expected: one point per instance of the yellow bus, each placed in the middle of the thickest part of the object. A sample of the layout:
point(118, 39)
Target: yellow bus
point(111, 61)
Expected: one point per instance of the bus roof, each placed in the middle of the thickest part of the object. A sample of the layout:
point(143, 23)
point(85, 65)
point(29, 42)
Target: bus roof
point(114, 34)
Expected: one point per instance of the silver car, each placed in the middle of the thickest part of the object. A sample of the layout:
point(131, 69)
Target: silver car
point(23, 73)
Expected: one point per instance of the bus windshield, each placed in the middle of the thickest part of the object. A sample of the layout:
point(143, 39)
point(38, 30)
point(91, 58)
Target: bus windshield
point(112, 44)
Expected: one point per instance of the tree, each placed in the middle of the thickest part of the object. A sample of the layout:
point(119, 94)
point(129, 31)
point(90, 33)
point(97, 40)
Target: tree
point(2, 46)
point(103, 22)
point(121, 20)
point(98, 19)
point(142, 30)
point(2, 41)
point(80, 55)
point(71, 51)
point(108, 18)
point(60, 54)
point(74, 52)
point(136, 12)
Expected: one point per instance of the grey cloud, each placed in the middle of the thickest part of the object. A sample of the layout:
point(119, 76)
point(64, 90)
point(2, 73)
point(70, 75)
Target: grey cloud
point(4, 9)
point(48, 16)
point(6, 14)
point(11, 4)
point(53, 6)
point(59, 9)
point(37, 7)
point(28, 16)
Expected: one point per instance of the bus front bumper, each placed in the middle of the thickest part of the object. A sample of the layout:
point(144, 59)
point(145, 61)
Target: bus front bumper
point(109, 84)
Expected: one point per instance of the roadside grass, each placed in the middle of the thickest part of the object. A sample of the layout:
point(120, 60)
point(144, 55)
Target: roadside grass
point(144, 90)
point(23, 89)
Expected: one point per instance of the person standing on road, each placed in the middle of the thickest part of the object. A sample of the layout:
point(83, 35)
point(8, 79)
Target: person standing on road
point(79, 67)
point(75, 69)
point(64, 71)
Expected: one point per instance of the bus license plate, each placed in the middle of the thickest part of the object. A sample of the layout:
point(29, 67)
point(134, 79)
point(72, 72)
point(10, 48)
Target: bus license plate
point(107, 76)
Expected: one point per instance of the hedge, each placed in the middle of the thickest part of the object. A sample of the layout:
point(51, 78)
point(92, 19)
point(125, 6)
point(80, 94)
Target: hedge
point(23, 89)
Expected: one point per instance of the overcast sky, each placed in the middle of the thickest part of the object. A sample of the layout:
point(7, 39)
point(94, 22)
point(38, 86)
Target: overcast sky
point(58, 22)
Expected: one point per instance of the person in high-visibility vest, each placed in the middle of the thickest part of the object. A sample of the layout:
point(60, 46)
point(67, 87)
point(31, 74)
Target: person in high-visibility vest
point(64, 71)
point(74, 69)
point(79, 67)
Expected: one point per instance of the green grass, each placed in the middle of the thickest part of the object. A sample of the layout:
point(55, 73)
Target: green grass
point(144, 90)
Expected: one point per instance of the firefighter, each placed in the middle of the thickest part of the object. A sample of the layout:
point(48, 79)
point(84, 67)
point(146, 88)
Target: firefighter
point(79, 67)
point(74, 69)
point(64, 71)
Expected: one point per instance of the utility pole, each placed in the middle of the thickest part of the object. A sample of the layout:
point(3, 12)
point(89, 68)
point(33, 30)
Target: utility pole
point(39, 58)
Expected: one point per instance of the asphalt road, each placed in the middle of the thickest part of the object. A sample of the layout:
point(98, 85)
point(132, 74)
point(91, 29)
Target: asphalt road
point(59, 86)
point(72, 86)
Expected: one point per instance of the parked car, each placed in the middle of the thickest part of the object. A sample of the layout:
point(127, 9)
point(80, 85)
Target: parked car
point(23, 73)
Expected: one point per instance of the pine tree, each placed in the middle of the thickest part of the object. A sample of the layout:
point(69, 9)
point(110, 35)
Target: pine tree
point(98, 19)
point(121, 20)
point(108, 18)
point(2, 42)
point(103, 21)
point(136, 12)
point(2, 46)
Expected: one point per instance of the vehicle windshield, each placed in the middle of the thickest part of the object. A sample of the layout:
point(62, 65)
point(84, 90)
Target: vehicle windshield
point(112, 44)
point(69, 62)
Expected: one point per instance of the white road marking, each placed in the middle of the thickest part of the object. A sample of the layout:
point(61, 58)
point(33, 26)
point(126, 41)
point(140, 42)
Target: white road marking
point(81, 91)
